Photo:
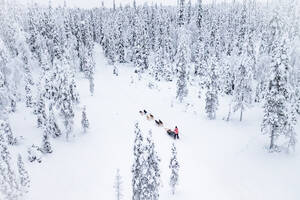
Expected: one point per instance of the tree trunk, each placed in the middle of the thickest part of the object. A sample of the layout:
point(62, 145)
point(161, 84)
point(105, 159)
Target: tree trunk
point(241, 115)
point(272, 140)
point(229, 113)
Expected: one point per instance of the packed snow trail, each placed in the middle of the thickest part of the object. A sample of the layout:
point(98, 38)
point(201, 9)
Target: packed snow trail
point(218, 160)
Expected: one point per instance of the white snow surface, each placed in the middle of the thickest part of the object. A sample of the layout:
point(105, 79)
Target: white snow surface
point(218, 160)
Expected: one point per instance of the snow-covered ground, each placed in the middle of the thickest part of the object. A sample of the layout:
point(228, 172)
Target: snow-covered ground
point(218, 160)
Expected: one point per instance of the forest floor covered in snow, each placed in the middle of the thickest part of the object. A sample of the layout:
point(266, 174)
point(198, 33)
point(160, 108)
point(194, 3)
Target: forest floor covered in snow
point(219, 160)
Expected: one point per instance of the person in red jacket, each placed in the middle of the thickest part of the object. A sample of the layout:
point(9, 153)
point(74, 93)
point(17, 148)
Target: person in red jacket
point(176, 133)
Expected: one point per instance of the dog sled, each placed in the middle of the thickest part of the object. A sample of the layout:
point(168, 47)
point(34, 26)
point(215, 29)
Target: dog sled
point(159, 123)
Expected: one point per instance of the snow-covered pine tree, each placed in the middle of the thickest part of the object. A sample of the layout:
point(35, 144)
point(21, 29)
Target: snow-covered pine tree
point(84, 120)
point(188, 12)
point(28, 91)
point(181, 13)
point(68, 96)
point(4, 59)
point(137, 163)
point(243, 92)
point(46, 146)
point(24, 54)
point(181, 66)
point(68, 115)
point(150, 176)
point(10, 186)
point(118, 186)
point(87, 59)
point(199, 18)
point(120, 47)
point(6, 132)
point(115, 70)
point(92, 85)
point(279, 113)
point(141, 50)
point(174, 166)
point(52, 127)
point(211, 100)
point(40, 111)
point(33, 32)
point(23, 174)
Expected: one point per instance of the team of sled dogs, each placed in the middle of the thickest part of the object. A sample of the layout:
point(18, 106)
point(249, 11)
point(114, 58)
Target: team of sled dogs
point(150, 117)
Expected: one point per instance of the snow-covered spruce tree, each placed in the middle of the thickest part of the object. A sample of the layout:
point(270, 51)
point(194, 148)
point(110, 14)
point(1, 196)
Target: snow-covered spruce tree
point(141, 51)
point(84, 120)
point(33, 30)
point(4, 59)
point(68, 96)
point(87, 59)
point(137, 163)
point(68, 115)
point(211, 100)
point(52, 127)
point(243, 92)
point(118, 185)
point(174, 166)
point(23, 174)
point(163, 52)
point(115, 71)
point(181, 66)
point(28, 91)
point(279, 113)
point(181, 13)
point(6, 132)
point(10, 186)
point(110, 46)
point(46, 146)
point(199, 18)
point(200, 62)
point(40, 111)
point(188, 14)
point(24, 54)
point(120, 48)
point(159, 64)
point(92, 85)
point(150, 175)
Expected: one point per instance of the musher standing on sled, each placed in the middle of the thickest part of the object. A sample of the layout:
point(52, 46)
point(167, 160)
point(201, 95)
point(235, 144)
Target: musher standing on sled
point(176, 133)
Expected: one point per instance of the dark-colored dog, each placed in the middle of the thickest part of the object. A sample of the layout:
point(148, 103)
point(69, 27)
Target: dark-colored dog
point(159, 122)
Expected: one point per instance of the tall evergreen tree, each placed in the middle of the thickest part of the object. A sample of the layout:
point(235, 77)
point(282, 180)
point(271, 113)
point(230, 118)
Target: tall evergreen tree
point(84, 121)
point(181, 68)
point(23, 174)
point(243, 87)
point(181, 12)
point(150, 177)
point(137, 165)
point(211, 101)
point(279, 118)
point(118, 186)
point(174, 166)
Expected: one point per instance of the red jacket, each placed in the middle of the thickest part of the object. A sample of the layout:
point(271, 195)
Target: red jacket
point(176, 130)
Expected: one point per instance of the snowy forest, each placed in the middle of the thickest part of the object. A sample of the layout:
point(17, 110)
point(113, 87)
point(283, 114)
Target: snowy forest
point(240, 57)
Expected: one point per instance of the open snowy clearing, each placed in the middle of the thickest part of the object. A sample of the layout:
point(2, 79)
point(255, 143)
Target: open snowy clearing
point(218, 160)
